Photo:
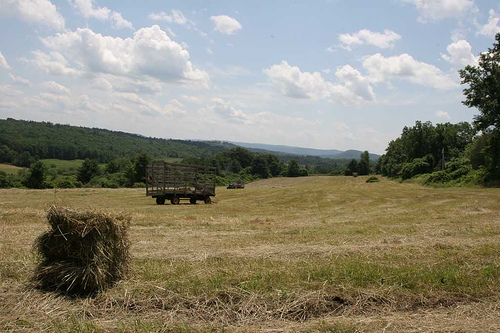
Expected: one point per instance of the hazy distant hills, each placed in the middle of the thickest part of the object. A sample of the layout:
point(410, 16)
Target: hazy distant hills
point(289, 150)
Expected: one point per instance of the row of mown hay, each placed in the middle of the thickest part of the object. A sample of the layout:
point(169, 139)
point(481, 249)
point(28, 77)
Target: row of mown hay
point(84, 252)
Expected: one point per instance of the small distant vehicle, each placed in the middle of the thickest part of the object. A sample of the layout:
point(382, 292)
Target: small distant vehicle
point(237, 184)
point(176, 182)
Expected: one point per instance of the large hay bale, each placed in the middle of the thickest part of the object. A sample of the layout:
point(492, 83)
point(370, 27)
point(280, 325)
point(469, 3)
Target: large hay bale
point(84, 252)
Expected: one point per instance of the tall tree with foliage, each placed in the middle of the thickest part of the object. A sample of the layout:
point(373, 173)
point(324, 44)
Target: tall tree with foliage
point(36, 176)
point(88, 170)
point(260, 166)
point(275, 165)
point(352, 168)
point(243, 156)
point(293, 169)
point(141, 162)
point(364, 163)
point(483, 92)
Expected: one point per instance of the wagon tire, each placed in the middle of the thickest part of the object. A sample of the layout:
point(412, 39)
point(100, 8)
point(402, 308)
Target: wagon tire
point(160, 200)
point(208, 201)
point(192, 201)
point(175, 201)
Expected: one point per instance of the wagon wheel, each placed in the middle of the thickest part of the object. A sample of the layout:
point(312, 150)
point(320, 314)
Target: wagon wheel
point(208, 200)
point(160, 200)
point(175, 201)
point(192, 201)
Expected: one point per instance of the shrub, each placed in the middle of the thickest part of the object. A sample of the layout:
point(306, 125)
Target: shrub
point(372, 179)
point(84, 252)
point(476, 177)
point(438, 177)
point(4, 181)
point(416, 167)
point(65, 182)
point(457, 170)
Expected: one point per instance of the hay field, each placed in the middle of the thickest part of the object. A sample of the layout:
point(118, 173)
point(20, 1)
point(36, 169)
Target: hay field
point(328, 254)
point(9, 169)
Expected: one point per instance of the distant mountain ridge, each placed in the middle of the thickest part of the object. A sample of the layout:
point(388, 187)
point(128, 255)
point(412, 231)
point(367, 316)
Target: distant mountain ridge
point(291, 150)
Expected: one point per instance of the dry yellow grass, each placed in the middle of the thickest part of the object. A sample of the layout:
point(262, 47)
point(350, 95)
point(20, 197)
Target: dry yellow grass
point(331, 254)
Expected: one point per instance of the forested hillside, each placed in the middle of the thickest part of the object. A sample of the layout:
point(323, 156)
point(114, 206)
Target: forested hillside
point(20, 141)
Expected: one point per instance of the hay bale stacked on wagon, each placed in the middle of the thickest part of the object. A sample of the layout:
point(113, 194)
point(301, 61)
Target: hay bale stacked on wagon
point(84, 252)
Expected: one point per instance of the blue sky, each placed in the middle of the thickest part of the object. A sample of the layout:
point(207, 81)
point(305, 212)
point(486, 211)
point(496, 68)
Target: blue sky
point(323, 74)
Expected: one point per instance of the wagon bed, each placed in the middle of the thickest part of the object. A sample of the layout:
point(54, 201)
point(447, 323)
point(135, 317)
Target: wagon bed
point(175, 181)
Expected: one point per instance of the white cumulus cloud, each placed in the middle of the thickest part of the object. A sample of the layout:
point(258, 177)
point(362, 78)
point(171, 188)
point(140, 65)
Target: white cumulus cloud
point(226, 25)
point(3, 62)
point(492, 27)
point(434, 10)
point(174, 107)
point(297, 84)
point(119, 22)
point(147, 106)
point(384, 40)
point(89, 10)
point(443, 114)
point(175, 16)
point(460, 54)
point(19, 80)
point(52, 63)
point(8, 90)
point(226, 109)
point(149, 54)
point(405, 67)
point(355, 82)
point(55, 88)
point(34, 11)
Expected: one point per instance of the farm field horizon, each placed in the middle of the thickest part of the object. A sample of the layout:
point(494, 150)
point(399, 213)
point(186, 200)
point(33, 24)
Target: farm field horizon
point(329, 254)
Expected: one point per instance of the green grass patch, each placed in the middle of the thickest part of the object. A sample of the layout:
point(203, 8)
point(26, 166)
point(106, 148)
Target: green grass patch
point(9, 169)
point(263, 276)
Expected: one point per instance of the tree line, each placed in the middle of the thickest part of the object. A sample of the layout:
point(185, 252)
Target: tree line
point(455, 153)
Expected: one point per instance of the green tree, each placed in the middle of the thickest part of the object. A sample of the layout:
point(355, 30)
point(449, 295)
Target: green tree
point(352, 168)
point(4, 181)
point(141, 162)
point(364, 163)
point(243, 156)
point(275, 165)
point(483, 92)
point(114, 166)
point(36, 176)
point(475, 151)
point(260, 167)
point(293, 169)
point(129, 175)
point(234, 166)
point(88, 170)
point(6, 154)
point(24, 160)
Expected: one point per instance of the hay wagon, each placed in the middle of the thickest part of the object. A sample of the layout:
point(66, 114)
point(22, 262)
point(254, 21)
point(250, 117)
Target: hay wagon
point(237, 184)
point(174, 182)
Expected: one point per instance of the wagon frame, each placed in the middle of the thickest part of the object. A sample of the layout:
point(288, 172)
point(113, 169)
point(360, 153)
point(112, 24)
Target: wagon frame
point(176, 182)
